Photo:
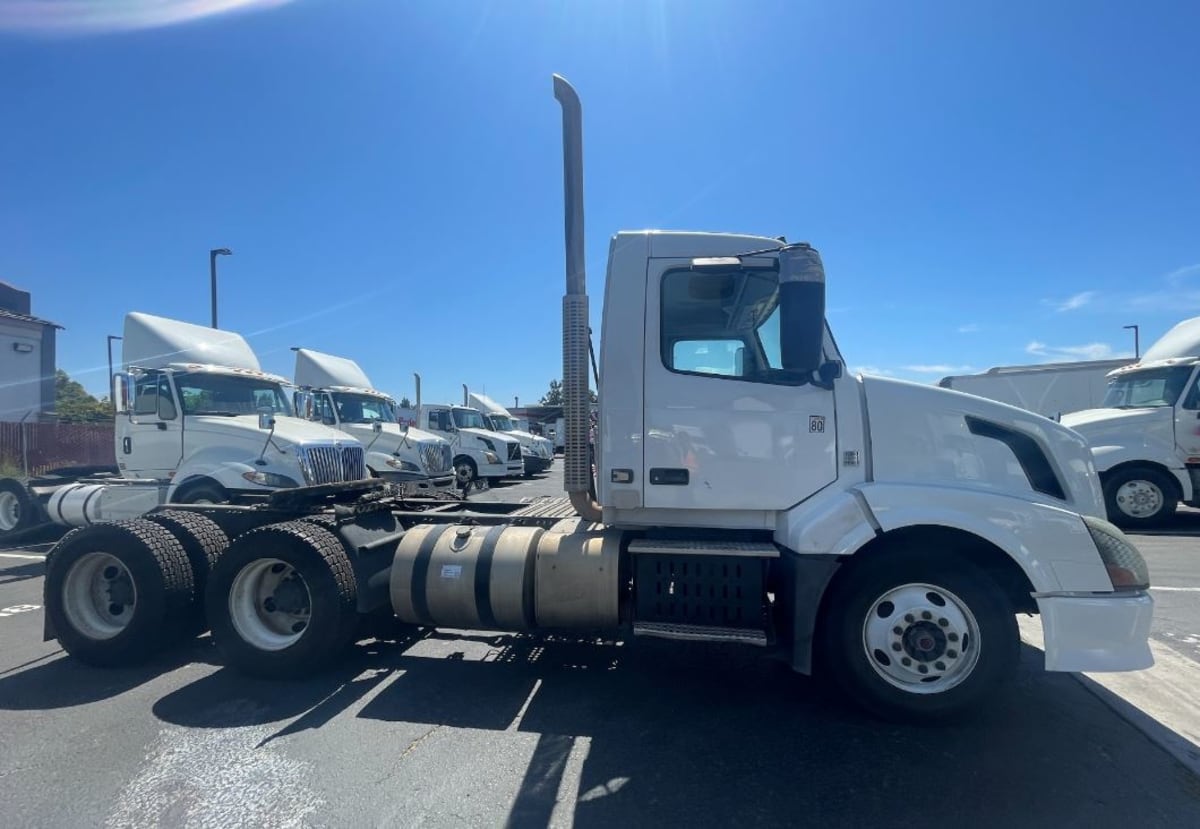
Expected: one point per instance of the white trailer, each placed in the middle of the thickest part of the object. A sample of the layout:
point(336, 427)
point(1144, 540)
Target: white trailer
point(1049, 389)
point(747, 491)
point(197, 421)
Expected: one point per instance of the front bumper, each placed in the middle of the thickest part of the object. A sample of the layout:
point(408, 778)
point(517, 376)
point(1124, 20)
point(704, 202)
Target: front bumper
point(535, 464)
point(1097, 633)
point(516, 468)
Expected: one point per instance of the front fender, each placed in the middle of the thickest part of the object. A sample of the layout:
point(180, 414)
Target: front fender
point(1050, 544)
point(1109, 457)
point(225, 465)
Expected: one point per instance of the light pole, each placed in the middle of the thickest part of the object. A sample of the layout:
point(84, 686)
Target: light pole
point(111, 398)
point(212, 270)
point(1137, 346)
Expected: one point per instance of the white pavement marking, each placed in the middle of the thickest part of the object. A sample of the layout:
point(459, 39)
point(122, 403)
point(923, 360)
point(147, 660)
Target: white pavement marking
point(30, 557)
point(18, 608)
point(568, 787)
point(1159, 701)
point(1177, 589)
point(217, 777)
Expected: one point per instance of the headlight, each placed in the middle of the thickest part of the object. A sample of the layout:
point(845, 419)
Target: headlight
point(488, 443)
point(1127, 569)
point(491, 457)
point(402, 465)
point(269, 479)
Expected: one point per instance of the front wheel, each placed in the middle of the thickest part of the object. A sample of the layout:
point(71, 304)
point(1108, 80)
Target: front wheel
point(918, 638)
point(282, 601)
point(465, 472)
point(1139, 497)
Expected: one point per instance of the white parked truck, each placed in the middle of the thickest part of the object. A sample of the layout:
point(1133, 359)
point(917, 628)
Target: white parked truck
point(197, 422)
point(479, 453)
point(1145, 436)
point(747, 491)
point(1050, 389)
point(337, 392)
point(537, 452)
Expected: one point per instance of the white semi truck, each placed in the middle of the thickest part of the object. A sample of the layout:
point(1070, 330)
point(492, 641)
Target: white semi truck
point(197, 422)
point(1049, 389)
point(1145, 435)
point(337, 392)
point(748, 491)
point(537, 452)
point(479, 453)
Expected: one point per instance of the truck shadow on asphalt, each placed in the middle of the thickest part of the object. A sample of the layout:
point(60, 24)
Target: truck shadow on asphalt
point(56, 680)
point(1184, 522)
point(708, 735)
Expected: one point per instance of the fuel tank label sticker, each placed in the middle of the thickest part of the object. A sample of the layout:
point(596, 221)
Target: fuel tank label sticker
point(451, 571)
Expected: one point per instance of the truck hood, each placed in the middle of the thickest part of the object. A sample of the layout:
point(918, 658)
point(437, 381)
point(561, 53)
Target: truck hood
point(288, 430)
point(933, 435)
point(1099, 426)
point(500, 437)
point(392, 436)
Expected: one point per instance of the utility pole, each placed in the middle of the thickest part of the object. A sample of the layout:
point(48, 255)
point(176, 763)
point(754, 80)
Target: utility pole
point(212, 272)
point(1137, 345)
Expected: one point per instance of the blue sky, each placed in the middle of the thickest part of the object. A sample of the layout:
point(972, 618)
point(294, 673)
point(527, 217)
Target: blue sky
point(989, 183)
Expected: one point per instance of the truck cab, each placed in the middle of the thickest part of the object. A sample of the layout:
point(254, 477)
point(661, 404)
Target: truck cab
point(335, 391)
point(479, 453)
point(217, 430)
point(1145, 437)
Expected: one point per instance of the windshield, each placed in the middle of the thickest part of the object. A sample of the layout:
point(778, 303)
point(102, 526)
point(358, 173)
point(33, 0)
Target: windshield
point(501, 423)
point(364, 408)
point(1147, 388)
point(205, 393)
point(468, 419)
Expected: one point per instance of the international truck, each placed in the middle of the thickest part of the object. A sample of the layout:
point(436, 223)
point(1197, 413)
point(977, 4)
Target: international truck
point(197, 422)
point(337, 392)
point(479, 453)
point(537, 452)
point(880, 533)
point(1049, 389)
point(1145, 435)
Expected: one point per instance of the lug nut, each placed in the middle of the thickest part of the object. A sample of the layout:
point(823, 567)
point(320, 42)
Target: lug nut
point(899, 631)
point(923, 669)
point(952, 654)
point(906, 662)
point(908, 617)
point(895, 646)
point(926, 615)
point(944, 622)
point(941, 666)
point(953, 637)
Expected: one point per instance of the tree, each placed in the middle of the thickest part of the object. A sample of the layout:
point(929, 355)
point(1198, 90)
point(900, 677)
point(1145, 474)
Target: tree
point(73, 404)
point(405, 403)
point(554, 397)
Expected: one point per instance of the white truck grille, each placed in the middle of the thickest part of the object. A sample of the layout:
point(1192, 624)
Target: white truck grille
point(437, 457)
point(332, 464)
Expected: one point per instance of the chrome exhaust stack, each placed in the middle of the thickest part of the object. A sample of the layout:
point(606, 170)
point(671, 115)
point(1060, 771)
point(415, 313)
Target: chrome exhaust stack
point(577, 461)
point(417, 377)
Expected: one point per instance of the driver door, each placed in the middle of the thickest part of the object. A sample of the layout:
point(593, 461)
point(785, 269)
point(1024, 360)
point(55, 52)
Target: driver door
point(1187, 422)
point(152, 445)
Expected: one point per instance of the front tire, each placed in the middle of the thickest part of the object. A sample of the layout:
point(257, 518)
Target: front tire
point(1139, 496)
point(915, 637)
point(465, 472)
point(282, 601)
point(118, 592)
point(203, 493)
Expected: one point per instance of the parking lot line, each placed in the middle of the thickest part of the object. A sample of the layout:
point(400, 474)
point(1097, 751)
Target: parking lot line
point(1177, 589)
point(25, 556)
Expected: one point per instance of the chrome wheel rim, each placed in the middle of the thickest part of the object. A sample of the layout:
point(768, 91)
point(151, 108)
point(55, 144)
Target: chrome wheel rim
point(921, 638)
point(10, 511)
point(270, 604)
point(463, 473)
point(1139, 499)
point(99, 595)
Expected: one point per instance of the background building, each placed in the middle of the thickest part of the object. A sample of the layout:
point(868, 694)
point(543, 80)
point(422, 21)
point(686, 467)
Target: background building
point(27, 359)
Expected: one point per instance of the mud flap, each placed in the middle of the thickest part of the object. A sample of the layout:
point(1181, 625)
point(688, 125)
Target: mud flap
point(803, 581)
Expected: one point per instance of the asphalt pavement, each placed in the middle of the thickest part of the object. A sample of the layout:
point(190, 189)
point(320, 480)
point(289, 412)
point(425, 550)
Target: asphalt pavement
point(477, 729)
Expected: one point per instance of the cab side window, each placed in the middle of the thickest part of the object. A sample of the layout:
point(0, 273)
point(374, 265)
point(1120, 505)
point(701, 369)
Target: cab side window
point(152, 397)
point(1191, 400)
point(723, 324)
point(323, 410)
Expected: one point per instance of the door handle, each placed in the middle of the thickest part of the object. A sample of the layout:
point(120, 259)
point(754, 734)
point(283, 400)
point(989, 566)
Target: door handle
point(162, 427)
point(127, 445)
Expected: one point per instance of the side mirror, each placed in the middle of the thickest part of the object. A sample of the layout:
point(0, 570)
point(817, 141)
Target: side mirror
point(266, 419)
point(303, 403)
point(376, 425)
point(801, 308)
point(120, 394)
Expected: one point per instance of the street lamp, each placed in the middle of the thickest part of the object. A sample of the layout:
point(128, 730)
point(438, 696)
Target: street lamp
point(212, 270)
point(111, 398)
point(1137, 346)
